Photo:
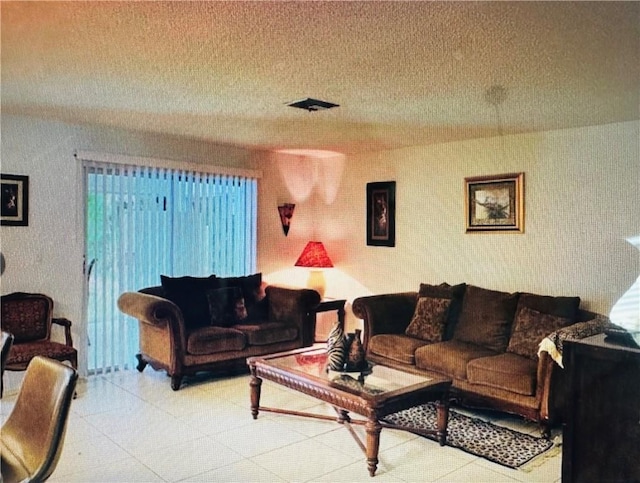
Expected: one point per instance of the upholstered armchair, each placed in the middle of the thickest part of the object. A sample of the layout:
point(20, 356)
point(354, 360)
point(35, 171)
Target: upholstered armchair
point(28, 318)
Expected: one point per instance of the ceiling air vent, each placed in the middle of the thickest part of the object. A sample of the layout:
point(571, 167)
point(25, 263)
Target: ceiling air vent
point(312, 104)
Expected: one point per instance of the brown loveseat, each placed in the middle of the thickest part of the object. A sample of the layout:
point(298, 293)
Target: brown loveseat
point(193, 324)
point(487, 341)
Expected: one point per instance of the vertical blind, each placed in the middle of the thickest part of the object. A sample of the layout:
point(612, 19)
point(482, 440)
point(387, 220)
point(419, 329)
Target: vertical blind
point(144, 221)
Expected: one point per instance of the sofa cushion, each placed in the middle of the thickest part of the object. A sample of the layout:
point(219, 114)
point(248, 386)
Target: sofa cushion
point(268, 332)
point(566, 307)
point(449, 357)
point(226, 306)
point(250, 286)
point(446, 291)
point(190, 295)
point(486, 318)
point(529, 328)
point(397, 347)
point(429, 319)
point(506, 371)
point(210, 340)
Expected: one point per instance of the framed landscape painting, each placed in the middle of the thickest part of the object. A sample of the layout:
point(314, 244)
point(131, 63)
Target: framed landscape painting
point(495, 203)
point(14, 210)
point(381, 213)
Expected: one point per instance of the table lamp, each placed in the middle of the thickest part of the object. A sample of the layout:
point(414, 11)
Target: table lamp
point(315, 257)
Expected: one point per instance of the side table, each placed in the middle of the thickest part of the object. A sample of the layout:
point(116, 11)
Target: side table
point(328, 305)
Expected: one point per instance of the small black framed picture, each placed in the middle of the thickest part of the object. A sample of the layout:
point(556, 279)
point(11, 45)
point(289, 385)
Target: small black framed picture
point(14, 210)
point(381, 213)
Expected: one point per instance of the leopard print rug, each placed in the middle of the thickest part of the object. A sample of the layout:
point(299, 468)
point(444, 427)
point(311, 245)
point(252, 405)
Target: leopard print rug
point(475, 436)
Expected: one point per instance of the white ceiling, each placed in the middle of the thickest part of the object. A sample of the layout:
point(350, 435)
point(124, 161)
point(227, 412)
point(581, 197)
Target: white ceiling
point(404, 73)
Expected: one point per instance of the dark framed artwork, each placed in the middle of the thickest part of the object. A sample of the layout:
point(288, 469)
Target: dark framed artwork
point(381, 213)
point(14, 210)
point(495, 203)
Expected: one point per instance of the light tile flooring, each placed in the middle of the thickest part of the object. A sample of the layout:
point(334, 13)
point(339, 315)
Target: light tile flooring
point(131, 427)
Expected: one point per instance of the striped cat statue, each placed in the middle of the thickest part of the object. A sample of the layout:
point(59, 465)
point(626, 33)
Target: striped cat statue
point(336, 348)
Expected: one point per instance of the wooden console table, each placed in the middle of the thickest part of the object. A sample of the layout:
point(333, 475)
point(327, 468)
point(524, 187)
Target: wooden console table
point(601, 436)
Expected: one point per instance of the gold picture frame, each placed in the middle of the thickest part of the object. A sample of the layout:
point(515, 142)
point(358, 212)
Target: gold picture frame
point(495, 203)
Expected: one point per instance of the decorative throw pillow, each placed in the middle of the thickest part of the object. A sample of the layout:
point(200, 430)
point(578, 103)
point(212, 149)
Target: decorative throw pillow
point(486, 318)
point(258, 311)
point(190, 295)
point(560, 306)
point(429, 320)
point(530, 327)
point(446, 291)
point(226, 306)
point(250, 286)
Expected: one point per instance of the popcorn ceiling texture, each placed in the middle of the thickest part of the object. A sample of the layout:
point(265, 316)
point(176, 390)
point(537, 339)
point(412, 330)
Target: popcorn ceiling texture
point(404, 73)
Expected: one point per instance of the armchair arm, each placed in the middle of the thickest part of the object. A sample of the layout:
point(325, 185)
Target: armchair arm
point(385, 314)
point(293, 306)
point(66, 323)
point(155, 311)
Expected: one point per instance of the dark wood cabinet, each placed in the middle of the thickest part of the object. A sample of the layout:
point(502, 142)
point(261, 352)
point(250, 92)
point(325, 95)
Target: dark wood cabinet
point(601, 436)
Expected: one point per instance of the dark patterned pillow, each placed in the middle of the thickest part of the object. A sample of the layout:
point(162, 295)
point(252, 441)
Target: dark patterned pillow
point(429, 319)
point(446, 291)
point(530, 327)
point(190, 295)
point(226, 306)
point(249, 285)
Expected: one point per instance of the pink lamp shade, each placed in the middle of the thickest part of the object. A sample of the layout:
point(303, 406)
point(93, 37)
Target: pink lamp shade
point(314, 256)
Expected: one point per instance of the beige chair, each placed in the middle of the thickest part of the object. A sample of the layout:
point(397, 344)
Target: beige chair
point(31, 438)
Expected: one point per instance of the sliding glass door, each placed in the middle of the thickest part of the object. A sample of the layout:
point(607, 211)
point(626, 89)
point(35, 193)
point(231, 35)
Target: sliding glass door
point(142, 222)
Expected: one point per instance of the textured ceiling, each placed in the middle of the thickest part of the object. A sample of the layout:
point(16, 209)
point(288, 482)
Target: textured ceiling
point(404, 73)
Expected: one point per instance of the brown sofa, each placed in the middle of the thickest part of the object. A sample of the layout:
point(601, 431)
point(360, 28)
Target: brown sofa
point(213, 324)
point(487, 342)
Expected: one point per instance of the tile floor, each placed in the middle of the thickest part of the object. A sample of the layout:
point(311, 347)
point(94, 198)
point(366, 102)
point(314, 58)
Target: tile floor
point(131, 427)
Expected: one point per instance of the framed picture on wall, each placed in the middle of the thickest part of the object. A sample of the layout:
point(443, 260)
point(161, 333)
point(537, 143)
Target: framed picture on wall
point(495, 203)
point(14, 210)
point(381, 213)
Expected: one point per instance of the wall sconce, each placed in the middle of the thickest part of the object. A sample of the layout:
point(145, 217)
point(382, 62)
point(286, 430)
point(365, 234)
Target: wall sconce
point(286, 213)
point(314, 256)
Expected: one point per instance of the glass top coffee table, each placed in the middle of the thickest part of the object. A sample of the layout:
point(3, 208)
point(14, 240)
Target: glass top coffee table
point(373, 393)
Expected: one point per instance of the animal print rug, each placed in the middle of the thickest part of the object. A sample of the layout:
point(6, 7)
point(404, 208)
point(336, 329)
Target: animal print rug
point(475, 436)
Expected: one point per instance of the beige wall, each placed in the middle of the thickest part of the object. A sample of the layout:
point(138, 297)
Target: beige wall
point(582, 200)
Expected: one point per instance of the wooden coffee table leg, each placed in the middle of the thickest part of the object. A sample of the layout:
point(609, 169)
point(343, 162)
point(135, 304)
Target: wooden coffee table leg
point(373, 429)
point(442, 407)
point(255, 384)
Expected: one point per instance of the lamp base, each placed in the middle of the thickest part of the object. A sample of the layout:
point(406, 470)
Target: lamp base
point(316, 281)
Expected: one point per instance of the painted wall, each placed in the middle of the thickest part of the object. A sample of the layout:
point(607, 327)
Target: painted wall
point(582, 200)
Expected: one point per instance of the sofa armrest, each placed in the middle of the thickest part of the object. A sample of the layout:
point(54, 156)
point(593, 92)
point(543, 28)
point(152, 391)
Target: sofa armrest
point(293, 306)
point(385, 314)
point(66, 323)
point(550, 389)
point(553, 343)
point(155, 311)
